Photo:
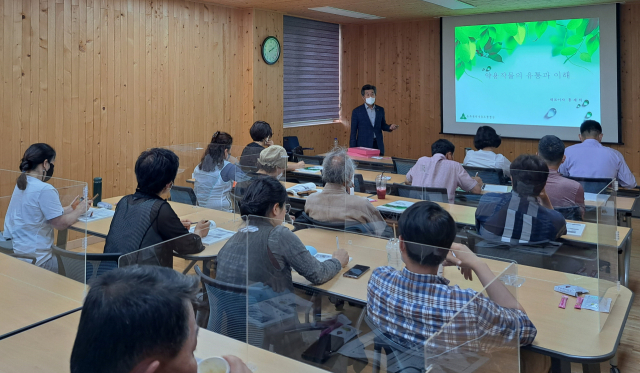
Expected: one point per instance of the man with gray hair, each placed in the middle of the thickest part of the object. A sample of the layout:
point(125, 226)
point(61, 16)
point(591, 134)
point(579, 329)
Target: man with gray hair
point(335, 204)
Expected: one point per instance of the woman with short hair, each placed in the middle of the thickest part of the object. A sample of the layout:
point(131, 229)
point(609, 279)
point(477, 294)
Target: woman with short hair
point(145, 218)
point(486, 142)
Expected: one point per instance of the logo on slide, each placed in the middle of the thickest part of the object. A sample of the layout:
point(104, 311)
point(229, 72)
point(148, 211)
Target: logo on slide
point(463, 116)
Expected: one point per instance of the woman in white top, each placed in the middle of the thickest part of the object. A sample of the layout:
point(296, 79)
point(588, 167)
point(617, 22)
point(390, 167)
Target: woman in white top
point(35, 209)
point(487, 141)
point(214, 176)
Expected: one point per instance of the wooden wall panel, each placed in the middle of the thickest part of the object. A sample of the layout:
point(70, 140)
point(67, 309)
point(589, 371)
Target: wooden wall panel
point(102, 80)
point(403, 60)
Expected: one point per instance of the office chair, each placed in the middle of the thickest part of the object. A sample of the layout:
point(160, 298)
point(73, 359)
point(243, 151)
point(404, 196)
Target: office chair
point(184, 195)
point(423, 193)
point(72, 264)
point(402, 166)
point(488, 175)
point(293, 148)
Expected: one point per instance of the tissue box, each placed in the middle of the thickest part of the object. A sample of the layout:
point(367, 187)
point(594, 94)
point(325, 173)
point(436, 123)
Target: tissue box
point(363, 152)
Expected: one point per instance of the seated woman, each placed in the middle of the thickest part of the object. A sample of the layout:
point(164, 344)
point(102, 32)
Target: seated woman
point(269, 250)
point(145, 218)
point(272, 162)
point(487, 141)
point(35, 209)
point(261, 134)
point(214, 176)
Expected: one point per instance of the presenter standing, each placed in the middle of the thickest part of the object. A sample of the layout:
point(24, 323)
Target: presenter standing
point(368, 122)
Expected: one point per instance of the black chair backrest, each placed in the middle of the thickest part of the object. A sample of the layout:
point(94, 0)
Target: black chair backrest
point(402, 166)
point(72, 264)
point(290, 142)
point(423, 193)
point(311, 159)
point(592, 185)
point(358, 183)
point(570, 213)
point(228, 307)
point(488, 175)
point(184, 195)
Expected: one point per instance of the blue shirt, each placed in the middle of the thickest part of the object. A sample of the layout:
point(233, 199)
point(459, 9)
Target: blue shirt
point(509, 217)
point(593, 160)
point(371, 111)
point(409, 308)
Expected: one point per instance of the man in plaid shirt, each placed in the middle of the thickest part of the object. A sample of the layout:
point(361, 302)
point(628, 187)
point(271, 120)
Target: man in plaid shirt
point(409, 306)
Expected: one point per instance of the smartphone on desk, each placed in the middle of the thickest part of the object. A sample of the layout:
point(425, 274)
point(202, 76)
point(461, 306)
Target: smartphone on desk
point(357, 271)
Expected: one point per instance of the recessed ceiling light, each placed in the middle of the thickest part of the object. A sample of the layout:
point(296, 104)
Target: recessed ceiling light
point(346, 13)
point(451, 4)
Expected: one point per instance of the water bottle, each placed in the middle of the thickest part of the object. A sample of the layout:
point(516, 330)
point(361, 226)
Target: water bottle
point(104, 205)
point(394, 259)
point(335, 142)
point(97, 190)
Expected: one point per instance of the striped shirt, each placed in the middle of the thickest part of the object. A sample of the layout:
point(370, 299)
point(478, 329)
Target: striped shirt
point(409, 308)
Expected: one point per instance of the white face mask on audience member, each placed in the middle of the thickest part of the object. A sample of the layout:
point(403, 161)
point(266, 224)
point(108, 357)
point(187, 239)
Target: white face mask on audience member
point(371, 100)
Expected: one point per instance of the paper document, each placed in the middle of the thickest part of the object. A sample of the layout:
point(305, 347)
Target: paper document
point(310, 169)
point(593, 197)
point(96, 214)
point(591, 303)
point(496, 188)
point(397, 206)
point(215, 235)
point(322, 257)
point(301, 188)
point(575, 229)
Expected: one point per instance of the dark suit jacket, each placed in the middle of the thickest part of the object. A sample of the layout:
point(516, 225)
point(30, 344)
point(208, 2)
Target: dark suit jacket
point(362, 131)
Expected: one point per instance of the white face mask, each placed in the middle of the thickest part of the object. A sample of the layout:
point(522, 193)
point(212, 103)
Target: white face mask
point(279, 176)
point(370, 100)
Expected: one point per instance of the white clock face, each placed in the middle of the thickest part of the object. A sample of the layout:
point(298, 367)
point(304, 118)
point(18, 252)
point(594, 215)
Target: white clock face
point(271, 50)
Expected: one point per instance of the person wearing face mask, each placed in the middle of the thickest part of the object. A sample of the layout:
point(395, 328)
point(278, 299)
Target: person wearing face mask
point(145, 218)
point(441, 171)
point(35, 209)
point(215, 174)
point(261, 134)
point(368, 122)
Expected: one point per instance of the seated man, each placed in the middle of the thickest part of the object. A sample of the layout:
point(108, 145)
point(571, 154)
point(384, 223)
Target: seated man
point(441, 171)
point(562, 192)
point(140, 319)
point(409, 306)
point(335, 204)
point(525, 215)
point(593, 160)
point(145, 218)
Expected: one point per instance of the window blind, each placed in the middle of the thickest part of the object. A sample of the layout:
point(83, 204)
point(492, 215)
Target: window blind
point(311, 57)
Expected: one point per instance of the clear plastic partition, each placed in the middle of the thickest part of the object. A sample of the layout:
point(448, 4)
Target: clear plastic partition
point(613, 250)
point(269, 163)
point(43, 246)
point(221, 310)
point(462, 341)
point(190, 155)
point(309, 308)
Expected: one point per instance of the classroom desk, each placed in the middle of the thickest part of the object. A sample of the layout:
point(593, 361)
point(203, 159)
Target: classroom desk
point(557, 328)
point(30, 295)
point(47, 348)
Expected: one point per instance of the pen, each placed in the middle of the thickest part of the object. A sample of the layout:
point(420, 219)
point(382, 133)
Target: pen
point(454, 255)
point(476, 175)
point(337, 243)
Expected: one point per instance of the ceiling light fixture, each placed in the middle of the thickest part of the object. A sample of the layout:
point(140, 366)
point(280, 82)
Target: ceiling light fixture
point(345, 13)
point(451, 4)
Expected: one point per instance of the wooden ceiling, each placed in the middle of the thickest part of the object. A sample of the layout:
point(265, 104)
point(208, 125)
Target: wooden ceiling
point(399, 10)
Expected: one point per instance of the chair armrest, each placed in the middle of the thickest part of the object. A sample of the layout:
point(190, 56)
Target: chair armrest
point(25, 256)
point(307, 149)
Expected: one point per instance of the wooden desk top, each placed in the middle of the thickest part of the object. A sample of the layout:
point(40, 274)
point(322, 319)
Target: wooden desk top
point(466, 215)
point(557, 327)
point(384, 160)
point(47, 348)
point(370, 176)
point(289, 185)
point(30, 294)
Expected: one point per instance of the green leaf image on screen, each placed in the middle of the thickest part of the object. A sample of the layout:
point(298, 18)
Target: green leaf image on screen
point(574, 40)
